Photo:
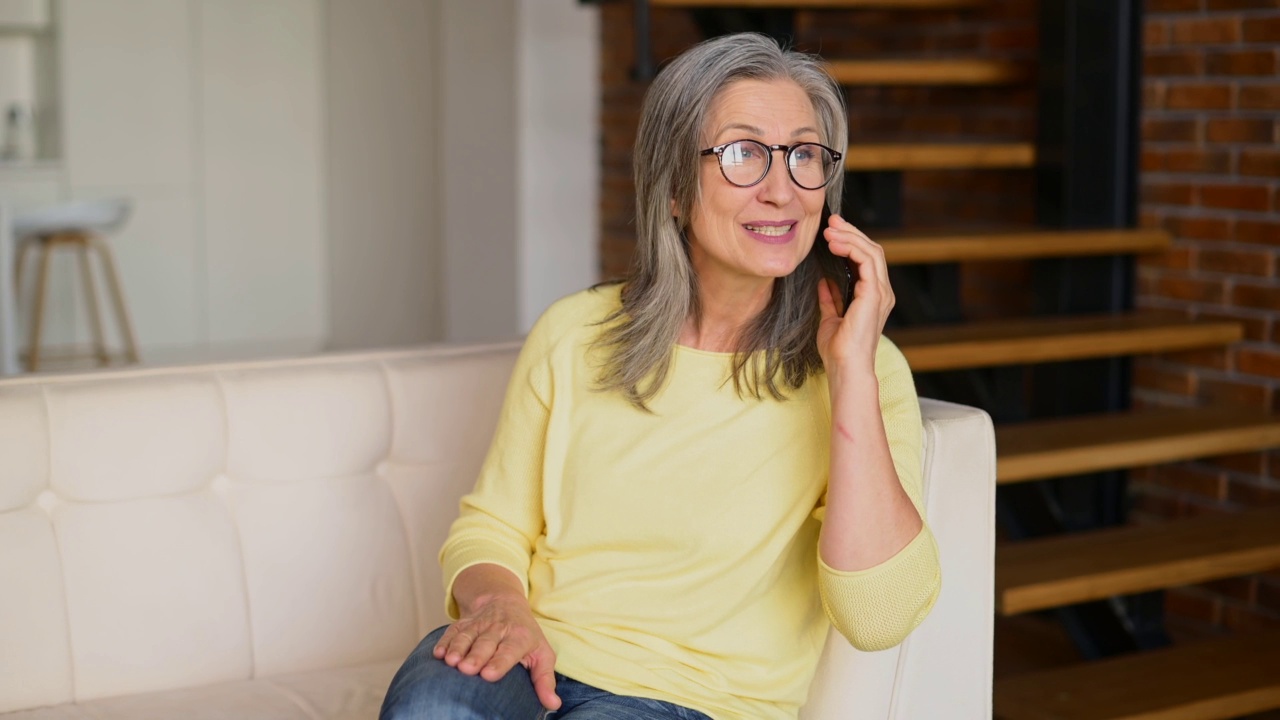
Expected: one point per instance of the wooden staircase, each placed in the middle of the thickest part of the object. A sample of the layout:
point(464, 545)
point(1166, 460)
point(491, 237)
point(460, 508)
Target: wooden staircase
point(1217, 679)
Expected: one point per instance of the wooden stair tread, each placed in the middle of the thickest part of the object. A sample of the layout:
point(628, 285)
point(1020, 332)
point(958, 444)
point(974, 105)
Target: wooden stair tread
point(939, 156)
point(940, 247)
point(1063, 570)
point(820, 4)
point(1049, 339)
point(955, 71)
point(1069, 446)
point(1210, 680)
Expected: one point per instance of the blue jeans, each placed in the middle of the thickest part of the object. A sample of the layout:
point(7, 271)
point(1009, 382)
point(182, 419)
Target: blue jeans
point(427, 689)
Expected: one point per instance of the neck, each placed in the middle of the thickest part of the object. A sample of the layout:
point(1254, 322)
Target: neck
point(725, 309)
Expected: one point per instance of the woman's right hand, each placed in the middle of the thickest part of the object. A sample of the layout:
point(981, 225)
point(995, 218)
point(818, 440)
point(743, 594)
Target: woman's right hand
point(496, 630)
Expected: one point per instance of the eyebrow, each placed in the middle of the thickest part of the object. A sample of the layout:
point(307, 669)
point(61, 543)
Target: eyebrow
point(759, 133)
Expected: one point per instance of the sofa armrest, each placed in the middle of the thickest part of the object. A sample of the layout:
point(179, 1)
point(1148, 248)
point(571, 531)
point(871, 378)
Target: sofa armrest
point(943, 669)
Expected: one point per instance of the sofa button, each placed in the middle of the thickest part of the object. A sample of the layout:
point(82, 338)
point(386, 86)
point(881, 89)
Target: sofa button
point(221, 484)
point(47, 501)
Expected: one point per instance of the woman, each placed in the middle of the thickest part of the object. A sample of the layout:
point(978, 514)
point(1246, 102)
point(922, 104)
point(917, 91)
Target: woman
point(700, 468)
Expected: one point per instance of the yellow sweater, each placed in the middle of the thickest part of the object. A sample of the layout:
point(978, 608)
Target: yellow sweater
point(673, 555)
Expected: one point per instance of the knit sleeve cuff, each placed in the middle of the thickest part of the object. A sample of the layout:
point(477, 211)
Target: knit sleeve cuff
point(876, 608)
point(462, 553)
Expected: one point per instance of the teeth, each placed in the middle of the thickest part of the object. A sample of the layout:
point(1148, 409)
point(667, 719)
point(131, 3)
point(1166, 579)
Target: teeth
point(773, 230)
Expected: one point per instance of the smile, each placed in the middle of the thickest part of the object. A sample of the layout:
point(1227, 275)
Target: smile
point(773, 233)
point(772, 230)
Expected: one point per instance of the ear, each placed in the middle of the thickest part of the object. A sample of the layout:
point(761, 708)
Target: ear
point(675, 209)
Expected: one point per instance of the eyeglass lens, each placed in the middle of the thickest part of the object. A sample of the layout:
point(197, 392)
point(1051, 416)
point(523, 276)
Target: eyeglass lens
point(745, 163)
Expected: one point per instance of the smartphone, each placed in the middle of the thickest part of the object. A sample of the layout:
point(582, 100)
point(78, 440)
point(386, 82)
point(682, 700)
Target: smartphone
point(835, 268)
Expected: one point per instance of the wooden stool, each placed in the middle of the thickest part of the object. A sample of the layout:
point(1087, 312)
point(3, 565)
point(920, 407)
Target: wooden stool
point(77, 226)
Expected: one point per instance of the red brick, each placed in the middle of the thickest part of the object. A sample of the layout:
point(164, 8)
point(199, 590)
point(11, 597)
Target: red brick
point(1256, 231)
point(1185, 62)
point(1255, 198)
point(1193, 605)
point(1242, 4)
point(1012, 38)
point(1195, 160)
point(1236, 262)
point(1146, 287)
point(1155, 34)
point(1243, 589)
point(1258, 97)
point(1207, 31)
point(1269, 596)
point(1156, 130)
point(1246, 130)
point(1191, 289)
point(1167, 194)
point(1153, 95)
point(1260, 163)
point(1255, 328)
point(1258, 362)
point(1147, 374)
point(1249, 463)
point(1198, 97)
point(1263, 29)
point(1171, 6)
point(1213, 359)
point(1199, 228)
point(1233, 392)
point(1253, 495)
point(1263, 297)
point(1177, 258)
point(1241, 62)
point(1192, 480)
point(1152, 161)
point(1240, 619)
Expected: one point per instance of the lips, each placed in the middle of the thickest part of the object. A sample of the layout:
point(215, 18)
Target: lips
point(772, 232)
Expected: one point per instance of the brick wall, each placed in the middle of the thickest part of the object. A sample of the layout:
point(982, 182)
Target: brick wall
point(1211, 177)
point(1210, 167)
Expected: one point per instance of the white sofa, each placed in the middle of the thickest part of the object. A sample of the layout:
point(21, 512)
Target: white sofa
point(258, 540)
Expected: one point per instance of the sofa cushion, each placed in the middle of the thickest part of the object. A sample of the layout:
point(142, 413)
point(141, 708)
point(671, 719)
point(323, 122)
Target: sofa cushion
point(114, 441)
point(155, 594)
point(35, 649)
point(24, 447)
point(349, 694)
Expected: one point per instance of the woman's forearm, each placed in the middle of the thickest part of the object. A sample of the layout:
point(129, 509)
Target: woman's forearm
point(869, 516)
point(481, 584)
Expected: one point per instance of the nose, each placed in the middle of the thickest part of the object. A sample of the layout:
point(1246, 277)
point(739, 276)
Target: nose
point(777, 188)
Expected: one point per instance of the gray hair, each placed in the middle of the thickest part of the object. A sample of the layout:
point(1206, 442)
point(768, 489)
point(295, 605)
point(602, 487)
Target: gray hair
point(661, 291)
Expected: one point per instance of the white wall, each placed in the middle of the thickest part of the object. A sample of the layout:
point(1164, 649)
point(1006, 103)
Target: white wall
point(520, 160)
point(559, 91)
point(383, 211)
point(480, 146)
point(263, 167)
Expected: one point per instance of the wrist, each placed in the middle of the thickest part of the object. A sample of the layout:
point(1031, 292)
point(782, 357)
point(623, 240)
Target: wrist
point(478, 602)
point(852, 378)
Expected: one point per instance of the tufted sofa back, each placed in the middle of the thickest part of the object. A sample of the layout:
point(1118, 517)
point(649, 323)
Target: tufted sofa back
point(173, 528)
point(170, 528)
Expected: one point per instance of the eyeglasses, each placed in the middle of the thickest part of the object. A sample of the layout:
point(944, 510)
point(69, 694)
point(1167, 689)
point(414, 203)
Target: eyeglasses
point(746, 162)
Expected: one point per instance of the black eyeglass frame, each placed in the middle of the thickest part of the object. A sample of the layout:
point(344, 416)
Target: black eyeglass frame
point(718, 151)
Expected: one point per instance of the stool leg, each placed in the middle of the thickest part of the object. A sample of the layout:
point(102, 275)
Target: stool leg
point(24, 249)
point(117, 296)
point(95, 312)
point(37, 313)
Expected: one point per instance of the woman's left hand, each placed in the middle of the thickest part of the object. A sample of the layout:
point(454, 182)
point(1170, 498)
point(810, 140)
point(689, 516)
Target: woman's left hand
point(850, 341)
